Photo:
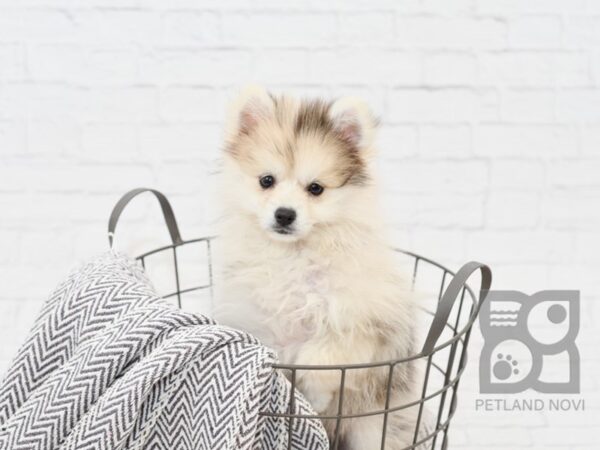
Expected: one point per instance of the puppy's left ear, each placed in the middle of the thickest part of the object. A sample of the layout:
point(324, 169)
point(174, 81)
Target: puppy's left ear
point(354, 121)
point(252, 105)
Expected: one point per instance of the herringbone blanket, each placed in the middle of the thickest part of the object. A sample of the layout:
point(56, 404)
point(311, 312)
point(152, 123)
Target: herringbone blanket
point(110, 365)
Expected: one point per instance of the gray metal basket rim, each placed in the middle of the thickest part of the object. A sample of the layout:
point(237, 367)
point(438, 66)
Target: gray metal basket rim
point(458, 335)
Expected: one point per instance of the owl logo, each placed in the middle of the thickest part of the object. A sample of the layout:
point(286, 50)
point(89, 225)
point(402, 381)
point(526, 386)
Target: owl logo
point(529, 342)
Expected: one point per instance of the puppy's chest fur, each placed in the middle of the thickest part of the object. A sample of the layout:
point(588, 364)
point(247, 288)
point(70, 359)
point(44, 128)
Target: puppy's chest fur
point(293, 293)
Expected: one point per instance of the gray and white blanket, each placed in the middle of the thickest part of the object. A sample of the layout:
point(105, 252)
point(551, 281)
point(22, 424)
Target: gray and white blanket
point(110, 365)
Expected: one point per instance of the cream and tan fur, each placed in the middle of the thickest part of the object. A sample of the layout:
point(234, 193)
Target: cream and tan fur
point(328, 292)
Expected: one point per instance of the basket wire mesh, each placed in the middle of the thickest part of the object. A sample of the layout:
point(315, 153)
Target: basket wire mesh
point(453, 309)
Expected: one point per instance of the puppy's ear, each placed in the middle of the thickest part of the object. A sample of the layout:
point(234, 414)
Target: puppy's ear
point(252, 105)
point(354, 121)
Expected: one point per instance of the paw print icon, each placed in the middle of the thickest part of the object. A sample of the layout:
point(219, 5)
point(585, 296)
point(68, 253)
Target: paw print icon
point(505, 367)
point(529, 342)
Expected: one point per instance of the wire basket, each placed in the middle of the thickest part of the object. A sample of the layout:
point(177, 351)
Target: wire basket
point(451, 305)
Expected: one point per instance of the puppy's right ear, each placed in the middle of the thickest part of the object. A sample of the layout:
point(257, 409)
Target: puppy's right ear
point(253, 105)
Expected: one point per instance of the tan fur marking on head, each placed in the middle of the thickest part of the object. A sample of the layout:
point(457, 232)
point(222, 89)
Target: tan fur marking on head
point(313, 117)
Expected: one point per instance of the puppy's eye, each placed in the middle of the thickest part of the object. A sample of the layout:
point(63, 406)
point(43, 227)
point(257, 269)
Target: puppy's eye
point(267, 181)
point(315, 189)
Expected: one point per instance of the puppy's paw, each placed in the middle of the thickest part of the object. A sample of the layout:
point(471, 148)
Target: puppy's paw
point(320, 401)
point(320, 388)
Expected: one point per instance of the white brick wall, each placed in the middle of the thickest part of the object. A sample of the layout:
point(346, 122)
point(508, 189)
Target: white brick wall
point(490, 140)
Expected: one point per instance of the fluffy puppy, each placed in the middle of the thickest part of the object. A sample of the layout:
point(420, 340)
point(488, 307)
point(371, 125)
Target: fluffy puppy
point(304, 263)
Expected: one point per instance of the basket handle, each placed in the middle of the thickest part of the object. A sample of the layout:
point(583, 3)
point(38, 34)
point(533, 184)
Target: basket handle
point(449, 298)
point(164, 205)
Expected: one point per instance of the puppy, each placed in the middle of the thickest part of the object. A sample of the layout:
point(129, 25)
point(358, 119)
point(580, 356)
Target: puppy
point(304, 262)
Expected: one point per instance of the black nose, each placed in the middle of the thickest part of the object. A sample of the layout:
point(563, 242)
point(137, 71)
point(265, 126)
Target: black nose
point(285, 216)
